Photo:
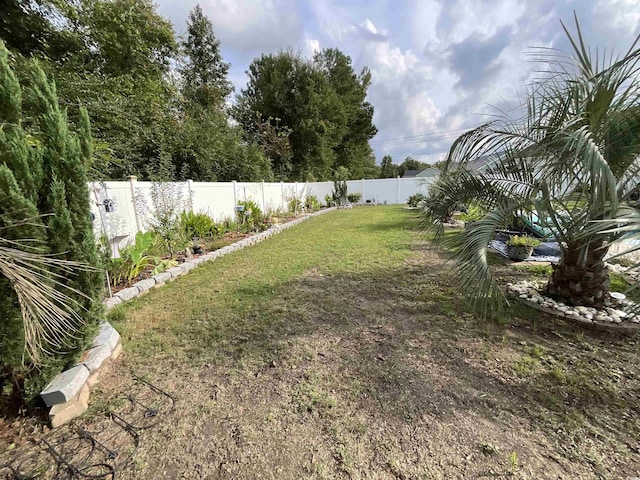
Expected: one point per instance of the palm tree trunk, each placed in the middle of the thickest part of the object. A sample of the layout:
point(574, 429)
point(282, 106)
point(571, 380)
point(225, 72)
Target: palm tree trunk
point(581, 283)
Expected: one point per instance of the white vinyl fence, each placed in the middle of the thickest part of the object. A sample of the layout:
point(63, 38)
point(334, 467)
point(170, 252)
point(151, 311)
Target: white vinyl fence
point(123, 208)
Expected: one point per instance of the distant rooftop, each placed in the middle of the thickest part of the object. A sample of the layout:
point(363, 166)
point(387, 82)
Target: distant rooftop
point(410, 173)
point(429, 172)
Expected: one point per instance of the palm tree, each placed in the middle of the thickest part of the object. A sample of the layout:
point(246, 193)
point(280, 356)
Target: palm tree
point(572, 159)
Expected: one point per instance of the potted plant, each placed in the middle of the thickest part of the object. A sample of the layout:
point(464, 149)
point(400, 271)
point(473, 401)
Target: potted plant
point(472, 215)
point(520, 247)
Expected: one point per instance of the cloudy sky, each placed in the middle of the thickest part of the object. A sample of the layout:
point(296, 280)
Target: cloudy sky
point(438, 66)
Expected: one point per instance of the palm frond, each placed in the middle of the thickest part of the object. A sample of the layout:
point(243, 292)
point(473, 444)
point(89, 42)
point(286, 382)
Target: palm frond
point(49, 311)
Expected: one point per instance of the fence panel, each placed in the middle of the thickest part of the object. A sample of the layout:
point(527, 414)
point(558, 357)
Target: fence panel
point(122, 208)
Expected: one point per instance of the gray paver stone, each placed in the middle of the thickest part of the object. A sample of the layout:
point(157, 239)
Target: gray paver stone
point(175, 271)
point(97, 355)
point(188, 265)
point(111, 302)
point(65, 386)
point(128, 293)
point(162, 277)
point(107, 336)
point(144, 285)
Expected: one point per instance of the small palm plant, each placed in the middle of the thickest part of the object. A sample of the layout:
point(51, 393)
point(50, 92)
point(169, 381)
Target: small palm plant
point(572, 159)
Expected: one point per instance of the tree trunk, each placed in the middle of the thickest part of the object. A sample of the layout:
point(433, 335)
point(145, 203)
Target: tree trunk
point(580, 283)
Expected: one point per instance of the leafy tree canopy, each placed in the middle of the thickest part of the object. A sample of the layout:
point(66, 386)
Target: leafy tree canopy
point(321, 106)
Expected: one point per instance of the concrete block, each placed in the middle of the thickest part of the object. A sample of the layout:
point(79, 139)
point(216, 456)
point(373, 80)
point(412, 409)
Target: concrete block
point(188, 266)
point(146, 284)
point(160, 278)
point(175, 271)
point(107, 336)
point(128, 293)
point(97, 355)
point(64, 412)
point(198, 261)
point(109, 303)
point(65, 386)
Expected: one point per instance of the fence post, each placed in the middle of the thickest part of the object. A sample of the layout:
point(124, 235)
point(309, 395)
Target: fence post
point(282, 194)
point(398, 190)
point(362, 183)
point(132, 183)
point(191, 192)
point(235, 194)
point(264, 204)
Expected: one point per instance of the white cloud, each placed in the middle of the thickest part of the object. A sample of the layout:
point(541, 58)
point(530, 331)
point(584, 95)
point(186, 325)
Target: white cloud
point(436, 65)
point(310, 47)
point(255, 25)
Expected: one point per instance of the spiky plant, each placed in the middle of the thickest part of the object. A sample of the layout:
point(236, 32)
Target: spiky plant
point(571, 159)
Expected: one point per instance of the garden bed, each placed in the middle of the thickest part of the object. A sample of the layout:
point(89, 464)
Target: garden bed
point(208, 246)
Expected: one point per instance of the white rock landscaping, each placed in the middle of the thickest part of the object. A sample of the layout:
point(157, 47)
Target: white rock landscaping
point(613, 316)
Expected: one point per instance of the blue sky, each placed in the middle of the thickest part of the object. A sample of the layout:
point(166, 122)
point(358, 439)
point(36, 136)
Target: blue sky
point(437, 66)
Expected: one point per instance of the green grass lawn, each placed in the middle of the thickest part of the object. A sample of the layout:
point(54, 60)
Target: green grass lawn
point(227, 298)
point(342, 348)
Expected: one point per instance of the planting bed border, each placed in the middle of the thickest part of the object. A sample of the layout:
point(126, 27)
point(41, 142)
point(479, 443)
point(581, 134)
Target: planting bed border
point(571, 316)
point(67, 394)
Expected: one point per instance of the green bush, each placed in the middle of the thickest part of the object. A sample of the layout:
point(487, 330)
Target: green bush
point(294, 205)
point(473, 214)
point(523, 241)
point(134, 258)
point(328, 200)
point(312, 203)
point(340, 186)
point(251, 218)
point(44, 210)
point(354, 197)
point(164, 217)
point(198, 225)
point(416, 200)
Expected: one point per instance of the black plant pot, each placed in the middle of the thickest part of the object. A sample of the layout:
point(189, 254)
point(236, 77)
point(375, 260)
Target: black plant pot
point(197, 250)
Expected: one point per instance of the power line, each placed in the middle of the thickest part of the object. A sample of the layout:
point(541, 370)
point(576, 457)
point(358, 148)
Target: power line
point(423, 137)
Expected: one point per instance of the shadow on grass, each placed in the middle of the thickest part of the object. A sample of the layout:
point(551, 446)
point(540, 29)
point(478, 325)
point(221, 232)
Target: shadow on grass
point(404, 336)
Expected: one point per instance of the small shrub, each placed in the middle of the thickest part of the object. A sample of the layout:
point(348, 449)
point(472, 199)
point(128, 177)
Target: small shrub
point(328, 200)
point(164, 216)
point(340, 186)
point(198, 225)
point(473, 214)
point(416, 200)
point(311, 203)
point(523, 241)
point(294, 205)
point(354, 197)
point(251, 217)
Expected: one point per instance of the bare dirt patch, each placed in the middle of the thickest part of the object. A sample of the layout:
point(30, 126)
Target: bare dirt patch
point(388, 376)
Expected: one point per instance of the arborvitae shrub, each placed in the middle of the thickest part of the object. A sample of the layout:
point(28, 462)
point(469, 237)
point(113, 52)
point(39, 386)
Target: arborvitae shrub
point(44, 206)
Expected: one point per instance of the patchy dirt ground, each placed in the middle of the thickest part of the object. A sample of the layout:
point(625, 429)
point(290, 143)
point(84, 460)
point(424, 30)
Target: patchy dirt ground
point(387, 376)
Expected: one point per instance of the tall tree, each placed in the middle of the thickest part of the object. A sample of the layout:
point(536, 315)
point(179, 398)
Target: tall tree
point(410, 163)
point(321, 106)
point(204, 73)
point(44, 209)
point(353, 150)
point(387, 168)
point(123, 82)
